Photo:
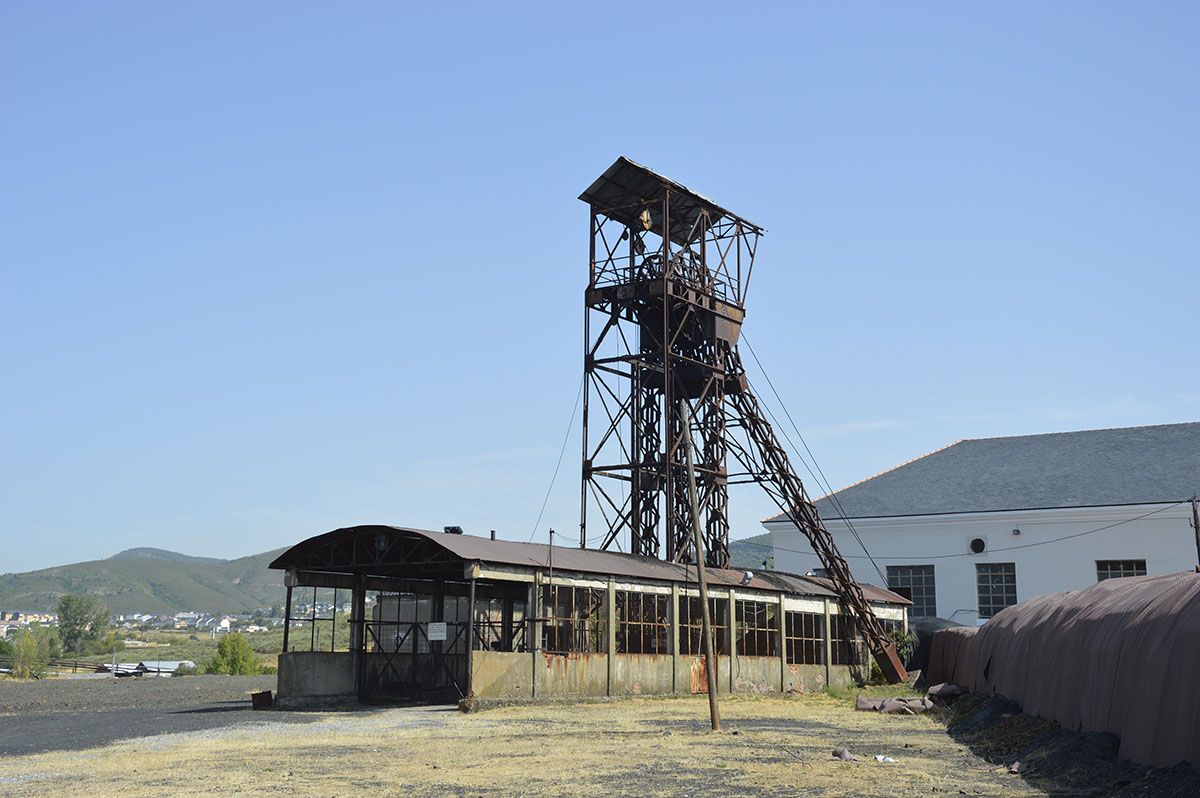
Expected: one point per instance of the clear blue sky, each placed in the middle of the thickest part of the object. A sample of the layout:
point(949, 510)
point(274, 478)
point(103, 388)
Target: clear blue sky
point(268, 269)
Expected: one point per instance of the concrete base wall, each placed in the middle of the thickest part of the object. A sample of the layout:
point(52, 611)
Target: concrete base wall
point(316, 674)
point(808, 678)
point(570, 675)
point(501, 674)
point(642, 674)
point(505, 675)
point(756, 675)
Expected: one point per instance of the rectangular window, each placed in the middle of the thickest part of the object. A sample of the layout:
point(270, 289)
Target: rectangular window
point(1113, 569)
point(573, 619)
point(846, 644)
point(499, 624)
point(643, 625)
point(757, 629)
point(997, 583)
point(691, 625)
point(914, 582)
point(805, 638)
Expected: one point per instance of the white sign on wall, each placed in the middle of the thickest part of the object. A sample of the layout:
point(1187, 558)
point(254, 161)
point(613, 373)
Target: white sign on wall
point(436, 631)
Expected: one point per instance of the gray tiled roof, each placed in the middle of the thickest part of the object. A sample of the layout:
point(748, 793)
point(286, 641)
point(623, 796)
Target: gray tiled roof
point(1131, 465)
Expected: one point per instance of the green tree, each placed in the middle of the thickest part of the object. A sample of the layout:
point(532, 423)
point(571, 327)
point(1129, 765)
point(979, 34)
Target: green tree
point(105, 644)
point(234, 656)
point(81, 620)
point(30, 655)
point(6, 648)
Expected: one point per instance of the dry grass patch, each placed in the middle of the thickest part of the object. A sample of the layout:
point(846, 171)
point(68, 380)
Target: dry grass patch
point(639, 747)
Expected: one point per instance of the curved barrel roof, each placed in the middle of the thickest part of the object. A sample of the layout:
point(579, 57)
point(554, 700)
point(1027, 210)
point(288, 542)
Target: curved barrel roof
point(391, 550)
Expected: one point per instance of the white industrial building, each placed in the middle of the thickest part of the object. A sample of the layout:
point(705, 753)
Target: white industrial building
point(981, 524)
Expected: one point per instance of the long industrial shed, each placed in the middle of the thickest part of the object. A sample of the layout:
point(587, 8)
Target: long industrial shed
point(551, 622)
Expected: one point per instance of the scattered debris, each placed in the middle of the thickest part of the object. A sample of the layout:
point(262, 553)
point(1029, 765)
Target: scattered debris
point(940, 695)
point(886, 759)
point(261, 699)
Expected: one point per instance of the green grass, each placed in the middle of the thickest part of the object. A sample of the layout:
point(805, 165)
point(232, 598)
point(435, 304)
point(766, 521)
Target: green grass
point(199, 647)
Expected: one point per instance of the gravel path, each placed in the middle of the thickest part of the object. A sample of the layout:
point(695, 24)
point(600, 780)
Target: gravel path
point(62, 714)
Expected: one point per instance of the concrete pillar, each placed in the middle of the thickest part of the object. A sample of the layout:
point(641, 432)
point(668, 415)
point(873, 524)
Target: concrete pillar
point(732, 621)
point(782, 646)
point(610, 625)
point(674, 642)
point(358, 609)
point(828, 647)
point(534, 631)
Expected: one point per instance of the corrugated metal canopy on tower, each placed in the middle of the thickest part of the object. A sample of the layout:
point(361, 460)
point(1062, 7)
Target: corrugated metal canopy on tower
point(627, 186)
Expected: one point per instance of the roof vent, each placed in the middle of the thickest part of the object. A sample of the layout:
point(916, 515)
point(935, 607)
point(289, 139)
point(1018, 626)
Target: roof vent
point(978, 545)
point(452, 530)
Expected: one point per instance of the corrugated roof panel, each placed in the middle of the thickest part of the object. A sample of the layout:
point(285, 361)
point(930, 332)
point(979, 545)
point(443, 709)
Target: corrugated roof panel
point(589, 561)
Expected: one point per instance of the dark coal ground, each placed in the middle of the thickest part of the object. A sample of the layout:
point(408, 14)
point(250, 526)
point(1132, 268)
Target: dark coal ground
point(74, 714)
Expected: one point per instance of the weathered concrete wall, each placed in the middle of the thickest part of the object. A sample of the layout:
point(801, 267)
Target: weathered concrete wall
point(691, 677)
point(570, 674)
point(756, 674)
point(642, 674)
point(316, 674)
point(805, 678)
point(501, 674)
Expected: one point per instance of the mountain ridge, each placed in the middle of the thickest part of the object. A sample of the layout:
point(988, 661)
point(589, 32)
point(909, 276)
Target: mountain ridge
point(150, 553)
point(157, 581)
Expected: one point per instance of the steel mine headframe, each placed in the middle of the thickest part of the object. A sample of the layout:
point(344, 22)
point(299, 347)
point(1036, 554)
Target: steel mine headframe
point(664, 305)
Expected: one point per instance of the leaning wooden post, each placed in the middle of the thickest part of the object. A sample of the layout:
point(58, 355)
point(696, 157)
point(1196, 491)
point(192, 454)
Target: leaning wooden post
point(710, 664)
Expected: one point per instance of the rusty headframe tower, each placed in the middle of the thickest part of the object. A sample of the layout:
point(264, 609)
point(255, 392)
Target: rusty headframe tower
point(664, 304)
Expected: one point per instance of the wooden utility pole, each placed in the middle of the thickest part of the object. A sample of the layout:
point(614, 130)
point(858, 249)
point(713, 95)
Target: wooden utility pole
point(1196, 527)
point(710, 664)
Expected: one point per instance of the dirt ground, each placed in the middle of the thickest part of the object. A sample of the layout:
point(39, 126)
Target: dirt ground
point(637, 747)
point(776, 746)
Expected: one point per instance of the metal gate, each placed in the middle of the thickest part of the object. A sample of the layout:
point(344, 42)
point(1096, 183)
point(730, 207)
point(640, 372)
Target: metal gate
point(415, 649)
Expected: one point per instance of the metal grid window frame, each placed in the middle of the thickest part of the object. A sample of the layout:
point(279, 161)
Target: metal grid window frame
point(573, 620)
point(757, 628)
point(846, 645)
point(492, 631)
point(643, 623)
point(996, 583)
point(1116, 569)
point(691, 625)
point(916, 583)
point(804, 638)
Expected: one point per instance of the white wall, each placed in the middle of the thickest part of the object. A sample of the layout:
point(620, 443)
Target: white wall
point(1165, 540)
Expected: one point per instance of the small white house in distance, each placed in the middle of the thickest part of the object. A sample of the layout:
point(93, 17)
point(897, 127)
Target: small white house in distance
point(981, 524)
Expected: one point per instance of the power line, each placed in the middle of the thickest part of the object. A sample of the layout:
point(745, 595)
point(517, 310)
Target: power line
point(561, 452)
point(1005, 548)
point(822, 482)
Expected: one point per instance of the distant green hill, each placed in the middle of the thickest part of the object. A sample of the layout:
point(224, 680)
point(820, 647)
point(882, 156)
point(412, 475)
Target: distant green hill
point(749, 553)
point(151, 580)
point(147, 553)
point(159, 581)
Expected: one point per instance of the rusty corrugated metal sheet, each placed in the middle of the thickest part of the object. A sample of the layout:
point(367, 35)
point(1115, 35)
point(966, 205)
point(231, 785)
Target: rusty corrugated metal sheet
point(627, 185)
point(589, 561)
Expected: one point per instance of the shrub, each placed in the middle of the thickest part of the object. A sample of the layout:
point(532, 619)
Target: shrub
point(30, 655)
point(234, 657)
